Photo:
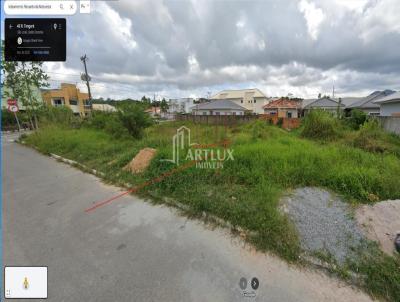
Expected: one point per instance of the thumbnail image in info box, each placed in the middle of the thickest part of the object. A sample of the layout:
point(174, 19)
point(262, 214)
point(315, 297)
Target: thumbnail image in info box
point(25, 282)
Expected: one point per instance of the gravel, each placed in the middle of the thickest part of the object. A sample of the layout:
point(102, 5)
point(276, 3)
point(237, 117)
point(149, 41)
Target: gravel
point(324, 222)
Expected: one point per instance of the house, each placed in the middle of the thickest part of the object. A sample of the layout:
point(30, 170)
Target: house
point(219, 107)
point(252, 100)
point(154, 111)
point(35, 92)
point(104, 107)
point(325, 103)
point(181, 105)
point(70, 96)
point(389, 105)
point(283, 107)
point(368, 104)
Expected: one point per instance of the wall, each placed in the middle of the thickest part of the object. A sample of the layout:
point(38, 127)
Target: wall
point(217, 119)
point(221, 112)
point(390, 108)
point(287, 123)
point(390, 123)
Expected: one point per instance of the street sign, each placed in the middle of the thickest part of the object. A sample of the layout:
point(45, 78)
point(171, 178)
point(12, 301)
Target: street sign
point(12, 102)
point(13, 108)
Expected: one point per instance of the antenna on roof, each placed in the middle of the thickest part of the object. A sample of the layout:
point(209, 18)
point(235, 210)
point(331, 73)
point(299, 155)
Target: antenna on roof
point(333, 91)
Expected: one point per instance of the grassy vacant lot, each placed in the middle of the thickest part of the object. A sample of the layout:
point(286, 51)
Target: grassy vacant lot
point(267, 162)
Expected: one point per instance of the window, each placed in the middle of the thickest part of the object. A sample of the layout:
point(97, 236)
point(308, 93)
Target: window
point(234, 113)
point(204, 112)
point(289, 114)
point(255, 101)
point(58, 102)
point(241, 101)
point(73, 102)
point(217, 113)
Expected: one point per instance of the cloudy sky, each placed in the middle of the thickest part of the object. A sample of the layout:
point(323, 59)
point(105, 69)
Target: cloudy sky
point(192, 48)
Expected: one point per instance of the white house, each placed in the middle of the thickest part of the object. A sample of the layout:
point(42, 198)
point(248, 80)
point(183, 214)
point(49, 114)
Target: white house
point(182, 105)
point(389, 105)
point(251, 99)
point(104, 107)
point(219, 107)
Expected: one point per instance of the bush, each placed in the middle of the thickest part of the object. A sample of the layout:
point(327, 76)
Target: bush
point(134, 119)
point(319, 124)
point(369, 137)
point(59, 116)
point(7, 118)
point(357, 119)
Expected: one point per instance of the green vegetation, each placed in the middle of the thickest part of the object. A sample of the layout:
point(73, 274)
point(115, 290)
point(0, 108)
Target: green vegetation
point(267, 162)
point(129, 121)
point(357, 119)
point(320, 125)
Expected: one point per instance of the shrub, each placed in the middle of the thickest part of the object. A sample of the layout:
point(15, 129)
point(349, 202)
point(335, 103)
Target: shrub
point(60, 116)
point(369, 137)
point(7, 118)
point(319, 124)
point(357, 119)
point(280, 122)
point(134, 119)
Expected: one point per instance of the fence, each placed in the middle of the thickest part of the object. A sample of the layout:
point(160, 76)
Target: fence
point(230, 120)
point(390, 123)
point(218, 119)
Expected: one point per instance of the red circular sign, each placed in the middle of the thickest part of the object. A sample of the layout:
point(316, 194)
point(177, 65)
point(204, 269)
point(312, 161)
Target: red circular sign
point(11, 102)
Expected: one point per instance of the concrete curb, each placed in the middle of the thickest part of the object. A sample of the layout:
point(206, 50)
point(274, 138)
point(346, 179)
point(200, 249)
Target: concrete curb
point(75, 163)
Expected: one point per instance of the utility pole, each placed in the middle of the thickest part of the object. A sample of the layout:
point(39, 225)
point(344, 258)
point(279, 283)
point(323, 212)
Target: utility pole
point(86, 77)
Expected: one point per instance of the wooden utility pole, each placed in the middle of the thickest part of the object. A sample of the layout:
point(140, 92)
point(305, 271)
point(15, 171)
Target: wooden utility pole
point(85, 76)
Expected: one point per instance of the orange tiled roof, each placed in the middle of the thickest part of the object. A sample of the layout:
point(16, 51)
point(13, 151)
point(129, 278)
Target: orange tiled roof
point(282, 103)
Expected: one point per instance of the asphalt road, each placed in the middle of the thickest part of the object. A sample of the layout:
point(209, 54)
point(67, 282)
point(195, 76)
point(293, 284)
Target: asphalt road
point(130, 250)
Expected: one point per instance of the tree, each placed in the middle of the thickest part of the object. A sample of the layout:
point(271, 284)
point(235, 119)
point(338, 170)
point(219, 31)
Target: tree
point(164, 106)
point(134, 119)
point(146, 100)
point(33, 76)
point(21, 78)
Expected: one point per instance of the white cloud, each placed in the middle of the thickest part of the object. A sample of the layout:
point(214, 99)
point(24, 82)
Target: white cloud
point(314, 17)
point(379, 19)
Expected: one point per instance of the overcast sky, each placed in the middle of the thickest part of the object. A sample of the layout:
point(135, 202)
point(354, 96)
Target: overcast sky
point(191, 48)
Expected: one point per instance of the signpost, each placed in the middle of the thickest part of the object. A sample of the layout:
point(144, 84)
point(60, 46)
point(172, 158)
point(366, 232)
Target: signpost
point(13, 107)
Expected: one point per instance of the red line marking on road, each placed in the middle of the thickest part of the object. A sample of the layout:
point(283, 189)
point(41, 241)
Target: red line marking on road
point(142, 185)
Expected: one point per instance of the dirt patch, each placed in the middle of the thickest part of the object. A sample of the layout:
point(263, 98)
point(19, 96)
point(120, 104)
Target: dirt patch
point(141, 161)
point(381, 223)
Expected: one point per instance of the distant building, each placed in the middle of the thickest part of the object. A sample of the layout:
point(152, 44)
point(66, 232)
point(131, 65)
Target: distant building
point(70, 96)
point(389, 105)
point(181, 105)
point(369, 104)
point(283, 108)
point(104, 107)
point(154, 111)
point(324, 103)
point(36, 94)
point(219, 107)
point(252, 100)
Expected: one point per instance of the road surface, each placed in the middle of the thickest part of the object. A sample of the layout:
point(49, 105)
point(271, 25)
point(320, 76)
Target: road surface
point(131, 250)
